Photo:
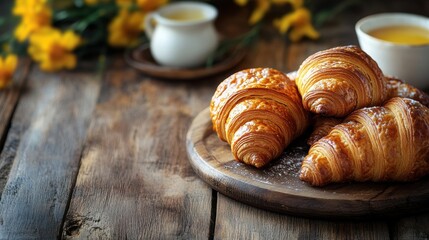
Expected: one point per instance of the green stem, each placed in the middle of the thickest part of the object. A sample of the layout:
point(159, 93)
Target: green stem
point(81, 26)
point(325, 15)
point(81, 17)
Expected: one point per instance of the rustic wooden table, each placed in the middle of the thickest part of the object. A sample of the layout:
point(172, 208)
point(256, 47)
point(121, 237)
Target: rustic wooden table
point(102, 155)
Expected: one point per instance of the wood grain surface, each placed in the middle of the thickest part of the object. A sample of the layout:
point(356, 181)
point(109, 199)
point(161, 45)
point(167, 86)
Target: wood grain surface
point(8, 100)
point(44, 143)
point(134, 169)
point(254, 223)
point(10, 97)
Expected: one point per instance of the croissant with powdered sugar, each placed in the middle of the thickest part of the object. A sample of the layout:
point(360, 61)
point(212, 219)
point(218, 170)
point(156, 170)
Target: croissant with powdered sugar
point(258, 112)
point(384, 143)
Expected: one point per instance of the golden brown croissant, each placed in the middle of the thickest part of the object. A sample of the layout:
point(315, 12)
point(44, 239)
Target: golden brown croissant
point(258, 112)
point(321, 127)
point(339, 80)
point(397, 88)
point(388, 143)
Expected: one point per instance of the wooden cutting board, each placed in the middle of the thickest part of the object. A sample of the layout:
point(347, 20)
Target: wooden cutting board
point(277, 187)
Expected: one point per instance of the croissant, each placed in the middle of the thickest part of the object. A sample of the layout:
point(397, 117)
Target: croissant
point(385, 143)
point(321, 127)
point(397, 88)
point(258, 112)
point(339, 80)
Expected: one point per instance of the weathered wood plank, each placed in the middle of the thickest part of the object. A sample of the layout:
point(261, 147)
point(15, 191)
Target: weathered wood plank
point(45, 143)
point(10, 95)
point(412, 228)
point(135, 181)
point(8, 99)
point(235, 220)
point(268, 51)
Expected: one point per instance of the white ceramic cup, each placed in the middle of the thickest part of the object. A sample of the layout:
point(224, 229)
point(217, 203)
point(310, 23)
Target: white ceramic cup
point(184, 35)
point(410, 63)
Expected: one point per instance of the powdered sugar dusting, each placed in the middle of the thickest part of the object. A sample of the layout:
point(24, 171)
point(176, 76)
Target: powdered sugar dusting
point(283, 171)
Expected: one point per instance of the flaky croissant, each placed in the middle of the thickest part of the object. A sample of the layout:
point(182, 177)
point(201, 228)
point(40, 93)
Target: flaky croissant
point(321, 127)
point(398, 88)
point(258, 112)
point(395, 88)
point(388, 143)
point(337, 81)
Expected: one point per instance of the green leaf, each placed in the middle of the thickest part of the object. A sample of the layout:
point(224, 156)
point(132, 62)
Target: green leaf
point(100, 15)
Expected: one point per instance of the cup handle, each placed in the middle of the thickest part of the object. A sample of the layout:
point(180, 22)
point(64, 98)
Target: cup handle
point(148, 26)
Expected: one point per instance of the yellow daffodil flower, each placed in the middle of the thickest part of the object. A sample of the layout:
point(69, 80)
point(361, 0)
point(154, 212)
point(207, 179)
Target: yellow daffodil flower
point(150, 5)
point(26, 7)
point(125, 28)
point(262, 7)
point(300, 22)
point(7, 68)
point(53, 49)
point(35, 15)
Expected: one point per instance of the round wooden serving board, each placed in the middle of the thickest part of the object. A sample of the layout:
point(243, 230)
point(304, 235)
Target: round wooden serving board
point(277, 187)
